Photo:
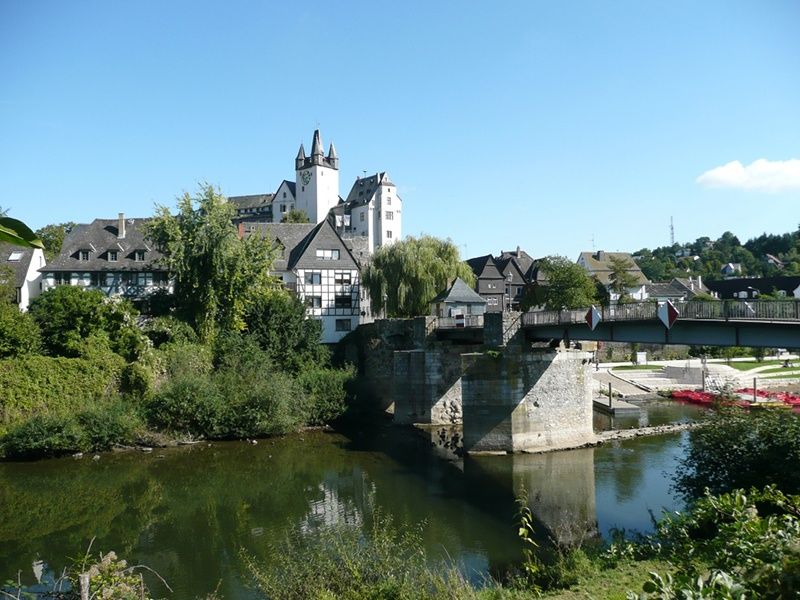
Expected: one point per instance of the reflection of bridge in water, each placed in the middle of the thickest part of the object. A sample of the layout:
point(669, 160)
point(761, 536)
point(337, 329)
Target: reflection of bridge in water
point(713, 323)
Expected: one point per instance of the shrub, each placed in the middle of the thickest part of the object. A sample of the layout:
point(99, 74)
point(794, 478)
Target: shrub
point(169, 330)
point(42, 384)
point(19, 333)
point(266, 403)
point(742, 449)
point(326, 390)
point(43, 436)
point(188, 404)
point(108, 425)
point(137, 380)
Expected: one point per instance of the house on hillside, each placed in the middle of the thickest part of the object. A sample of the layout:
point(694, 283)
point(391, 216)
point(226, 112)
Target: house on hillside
point(754, 287)
point(111, 255)
point(731, 269)
point(316, 264)
point(21, 267)
point(774, 261)
point(599, 265)
point(458, 299)
point(489, 282)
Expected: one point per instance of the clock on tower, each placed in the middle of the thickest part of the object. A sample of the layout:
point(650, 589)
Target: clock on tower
point(305, 177)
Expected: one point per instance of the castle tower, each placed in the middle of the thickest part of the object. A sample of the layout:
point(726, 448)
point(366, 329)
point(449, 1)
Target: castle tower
point(317, 180)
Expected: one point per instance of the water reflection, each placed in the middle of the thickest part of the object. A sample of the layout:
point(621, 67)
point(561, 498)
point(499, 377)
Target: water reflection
point(188, 512)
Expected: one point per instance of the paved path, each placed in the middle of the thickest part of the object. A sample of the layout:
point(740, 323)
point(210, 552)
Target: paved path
point(623, 387)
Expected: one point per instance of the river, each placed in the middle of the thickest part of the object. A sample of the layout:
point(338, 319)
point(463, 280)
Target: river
point(187, 512)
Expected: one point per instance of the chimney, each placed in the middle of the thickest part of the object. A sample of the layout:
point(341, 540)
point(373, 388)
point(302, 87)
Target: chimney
point(241, 230)
point(691, 283)
point(699, 282)
point(121, 226)
point(517, 251)
point(601, 255)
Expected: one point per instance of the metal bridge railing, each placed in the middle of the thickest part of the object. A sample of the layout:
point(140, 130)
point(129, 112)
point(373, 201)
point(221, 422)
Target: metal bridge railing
point(463, 322)
point(755, 310)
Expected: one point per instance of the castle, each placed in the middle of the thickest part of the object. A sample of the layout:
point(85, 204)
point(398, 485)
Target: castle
point(372, 209)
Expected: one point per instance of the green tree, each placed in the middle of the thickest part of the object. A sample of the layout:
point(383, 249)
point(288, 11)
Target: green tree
point(19, 333)
point(52, 237)
point(217, 275)
point(621, 279)
point(295, 216)
point(277, 321)
point(68, 316)
point(17, 233)
point(405, 276)
point(568, 285)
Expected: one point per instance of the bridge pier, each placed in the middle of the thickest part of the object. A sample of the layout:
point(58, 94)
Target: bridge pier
point(526, 401)
point(427, 386)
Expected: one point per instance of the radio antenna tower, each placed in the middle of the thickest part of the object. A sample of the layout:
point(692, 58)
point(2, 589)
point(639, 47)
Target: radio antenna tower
point(671, 232)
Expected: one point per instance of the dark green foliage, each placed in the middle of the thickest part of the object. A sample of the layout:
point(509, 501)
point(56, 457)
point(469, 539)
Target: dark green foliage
point(34, 384)
point(108, 424)
point(295, 216)
point(277, 321)
point(404, 277)
point(188, 404)
point(136, 380)
point(19, 333)
point(68, 315)
point(326, 390)
point(742, 449)
point(217, 274)
point(568, 285)
point(737, 545)
point(166, 329)
point(52, 237)
point(41, 436)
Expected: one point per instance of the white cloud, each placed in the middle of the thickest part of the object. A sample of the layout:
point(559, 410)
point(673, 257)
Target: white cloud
point(762, 174)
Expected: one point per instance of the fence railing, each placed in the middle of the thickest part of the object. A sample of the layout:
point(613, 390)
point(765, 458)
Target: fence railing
point(737, 310)
point(463, 322)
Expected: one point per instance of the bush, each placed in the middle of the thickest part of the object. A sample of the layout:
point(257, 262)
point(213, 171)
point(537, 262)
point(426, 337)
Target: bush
point(742, 449)
point(326, 390)
point(43, 436)
point(19, 333)
point(137, 380)
point(108, 425)
point(42, 384)
point(188, 404)
point(169, 330)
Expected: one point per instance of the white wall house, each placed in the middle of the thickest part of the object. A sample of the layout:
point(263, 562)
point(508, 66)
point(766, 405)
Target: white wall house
point(318, 266)
point(21, 267)
point(599, 265)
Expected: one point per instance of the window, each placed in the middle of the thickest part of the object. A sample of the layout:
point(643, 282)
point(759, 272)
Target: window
point(83, 255)
point(15, 256)
point(362, 217)
point(284, 194)
point(389, 215)
point(343, 301)
point(389, 234)
point(343, 325)
point(328, 254)
point(138, 256)
point(313, 278)
point(314, 301)
point(388, 200)
point(112, 256)
point(341, 278)
point(63, 278)
point(283, 208)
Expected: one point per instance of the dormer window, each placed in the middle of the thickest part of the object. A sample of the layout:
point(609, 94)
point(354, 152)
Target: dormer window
point(15, 256)
point(112, 256)
point(138, 256)
point(83, 255)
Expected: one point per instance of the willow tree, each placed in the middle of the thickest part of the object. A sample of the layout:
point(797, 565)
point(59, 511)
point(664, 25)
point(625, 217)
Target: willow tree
point(404, 277)
point(217, 274)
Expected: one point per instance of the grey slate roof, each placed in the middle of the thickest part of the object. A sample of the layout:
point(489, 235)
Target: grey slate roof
point(480, 264)
point(300, 242)
point(251, 201)
point(18, 268)
point(665, 290)
point(364, 188)
point(601, 267)
point(100, 236)
point(459, 293)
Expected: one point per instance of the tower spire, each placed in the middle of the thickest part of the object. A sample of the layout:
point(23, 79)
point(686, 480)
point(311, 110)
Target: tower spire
point(316, 145)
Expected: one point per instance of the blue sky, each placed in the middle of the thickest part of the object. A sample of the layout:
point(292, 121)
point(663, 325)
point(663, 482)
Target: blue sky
point(540, 124)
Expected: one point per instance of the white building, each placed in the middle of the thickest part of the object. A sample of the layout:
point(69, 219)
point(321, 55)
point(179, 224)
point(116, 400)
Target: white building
point(20, 266)
point(372, 209)
point(600, 266)
point(319, 267)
